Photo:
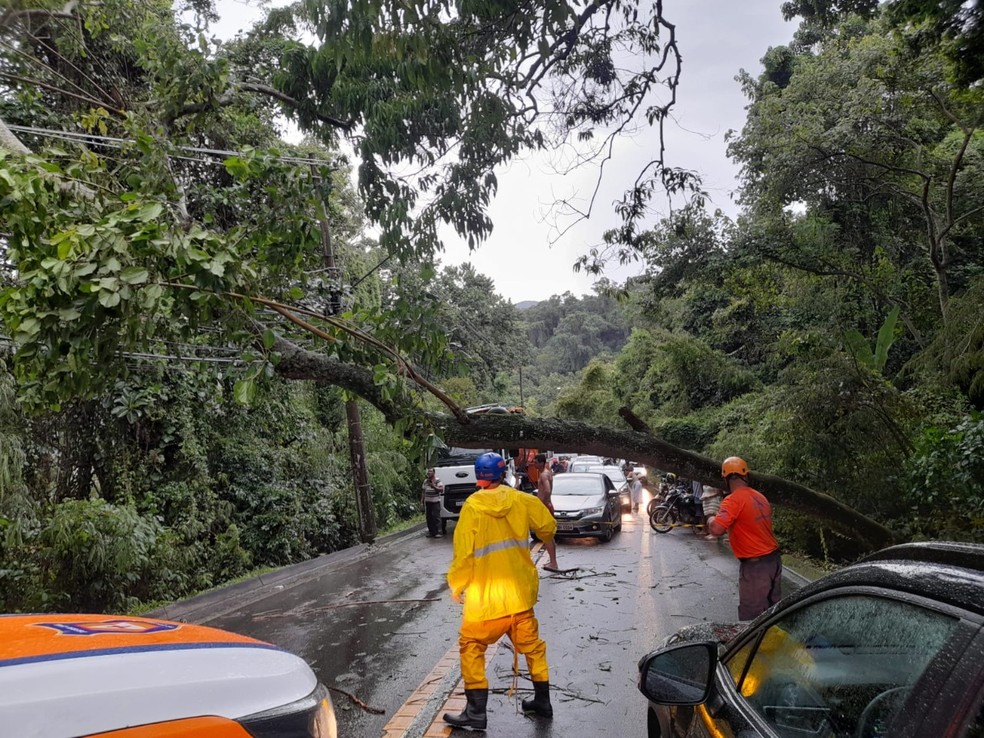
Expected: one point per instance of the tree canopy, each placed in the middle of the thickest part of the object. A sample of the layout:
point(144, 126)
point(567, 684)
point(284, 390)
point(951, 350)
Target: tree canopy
point(150, 207)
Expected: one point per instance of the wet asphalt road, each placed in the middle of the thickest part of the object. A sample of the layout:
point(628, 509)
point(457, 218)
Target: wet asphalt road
point(374, 623)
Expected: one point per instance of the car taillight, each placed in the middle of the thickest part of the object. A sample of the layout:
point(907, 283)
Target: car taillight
point(310, 717)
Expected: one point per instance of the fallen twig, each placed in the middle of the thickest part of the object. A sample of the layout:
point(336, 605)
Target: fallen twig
point(356, 701)
point(309, 610)
point(570, 695)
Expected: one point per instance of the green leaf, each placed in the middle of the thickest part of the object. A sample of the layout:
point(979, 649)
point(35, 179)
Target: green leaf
point(134, 275)
point(109, 299)
point(29, 326)
point(69, 314)
point(244, 391)
point(269, 339)
point(150, 211)
point(886, 337)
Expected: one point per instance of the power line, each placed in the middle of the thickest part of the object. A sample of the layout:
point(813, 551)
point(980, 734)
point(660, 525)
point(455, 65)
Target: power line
point(113, 142)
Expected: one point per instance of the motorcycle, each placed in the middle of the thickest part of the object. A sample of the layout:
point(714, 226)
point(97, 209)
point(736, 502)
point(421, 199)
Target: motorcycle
point(680, 509)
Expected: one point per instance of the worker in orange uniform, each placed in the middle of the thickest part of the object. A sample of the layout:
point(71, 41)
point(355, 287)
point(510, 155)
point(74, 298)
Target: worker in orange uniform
point(493, 574)
point(747, 517)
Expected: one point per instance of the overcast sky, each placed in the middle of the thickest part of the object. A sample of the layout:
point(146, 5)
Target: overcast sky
point(524, 256)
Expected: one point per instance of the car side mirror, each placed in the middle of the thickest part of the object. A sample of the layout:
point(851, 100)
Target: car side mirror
point(679, 675)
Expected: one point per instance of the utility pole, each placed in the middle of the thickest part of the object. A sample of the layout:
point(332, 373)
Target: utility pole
point(522, 402)
point(363, 492)
point(357, 451)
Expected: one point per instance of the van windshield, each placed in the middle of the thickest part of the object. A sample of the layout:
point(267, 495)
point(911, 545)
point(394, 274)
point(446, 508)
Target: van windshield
point(460, 454)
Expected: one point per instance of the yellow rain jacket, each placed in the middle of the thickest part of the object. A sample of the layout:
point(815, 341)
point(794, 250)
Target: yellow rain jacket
point(492, 567)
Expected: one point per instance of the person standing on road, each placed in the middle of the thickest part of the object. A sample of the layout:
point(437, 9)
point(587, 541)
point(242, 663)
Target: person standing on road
point(711, 503)
point(635, 490)
point(544, 489)
point(493, 574)
point(430, 495)
point(747, 516)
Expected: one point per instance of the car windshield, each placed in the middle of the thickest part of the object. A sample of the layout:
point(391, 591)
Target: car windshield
point(578, 484)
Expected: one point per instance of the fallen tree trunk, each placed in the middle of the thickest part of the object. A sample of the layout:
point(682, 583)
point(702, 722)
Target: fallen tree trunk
point(507, 431)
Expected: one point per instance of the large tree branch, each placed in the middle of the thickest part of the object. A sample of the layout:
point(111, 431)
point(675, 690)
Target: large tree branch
point(299, 363)
point(262, 89)
point(517, 431)
point(61, 91)
point(10, 142)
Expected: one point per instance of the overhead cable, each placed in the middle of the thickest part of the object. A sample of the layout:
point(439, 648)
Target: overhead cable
point(111, 141)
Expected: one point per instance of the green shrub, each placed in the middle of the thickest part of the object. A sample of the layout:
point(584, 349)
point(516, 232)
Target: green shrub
point(946, 480)
point(99, 557)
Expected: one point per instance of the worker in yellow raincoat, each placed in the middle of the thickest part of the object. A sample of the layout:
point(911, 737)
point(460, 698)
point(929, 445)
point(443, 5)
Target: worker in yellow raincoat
point(493, 574)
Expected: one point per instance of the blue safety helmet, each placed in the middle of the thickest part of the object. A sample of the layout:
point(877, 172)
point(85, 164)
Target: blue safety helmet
point(490, 467)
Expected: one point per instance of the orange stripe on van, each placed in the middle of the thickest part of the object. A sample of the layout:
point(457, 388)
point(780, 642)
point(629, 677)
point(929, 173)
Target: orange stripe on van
point(27, 636)
point(200, 727)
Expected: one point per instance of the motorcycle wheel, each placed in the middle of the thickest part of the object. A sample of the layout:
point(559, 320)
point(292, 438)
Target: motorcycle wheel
point(662, 520)
point(653, 504)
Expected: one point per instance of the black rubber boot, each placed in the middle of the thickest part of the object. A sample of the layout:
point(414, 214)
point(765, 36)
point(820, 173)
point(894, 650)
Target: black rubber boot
point(473, 716)
point(540, 704)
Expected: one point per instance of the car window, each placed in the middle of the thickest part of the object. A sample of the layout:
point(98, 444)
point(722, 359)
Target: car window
point(841, 667)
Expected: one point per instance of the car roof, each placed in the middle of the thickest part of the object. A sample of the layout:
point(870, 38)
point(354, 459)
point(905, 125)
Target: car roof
point(64, 675)
point(945, 571)
point(571, 477)
point(605, 468)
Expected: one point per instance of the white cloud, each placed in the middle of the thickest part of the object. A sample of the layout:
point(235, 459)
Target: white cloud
point(525, 256)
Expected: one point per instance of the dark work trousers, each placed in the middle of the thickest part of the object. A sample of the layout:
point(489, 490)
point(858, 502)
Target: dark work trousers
point(759, 585)
point(433, 511)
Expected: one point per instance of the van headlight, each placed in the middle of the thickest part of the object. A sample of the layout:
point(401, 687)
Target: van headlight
point(312, 716)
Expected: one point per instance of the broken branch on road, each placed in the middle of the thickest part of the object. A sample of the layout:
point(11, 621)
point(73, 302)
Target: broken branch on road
point(359, 703)
point(310, 610)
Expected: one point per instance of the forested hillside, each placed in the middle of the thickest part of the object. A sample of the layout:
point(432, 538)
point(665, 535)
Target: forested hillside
point(199, 318)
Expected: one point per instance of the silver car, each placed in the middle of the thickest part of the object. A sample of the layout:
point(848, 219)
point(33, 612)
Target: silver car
point(586, 504)
point(618, 479)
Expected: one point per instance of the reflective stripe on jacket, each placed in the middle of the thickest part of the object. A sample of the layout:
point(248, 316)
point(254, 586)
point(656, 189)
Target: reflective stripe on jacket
point(492, 565)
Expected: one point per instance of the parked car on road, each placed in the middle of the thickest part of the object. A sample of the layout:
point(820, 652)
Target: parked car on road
point(586, 504)
point(890, 646)
point(618, 479)
point(70, 676)
point(581, 463)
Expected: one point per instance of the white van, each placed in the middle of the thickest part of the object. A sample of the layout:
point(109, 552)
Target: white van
point(455, 469)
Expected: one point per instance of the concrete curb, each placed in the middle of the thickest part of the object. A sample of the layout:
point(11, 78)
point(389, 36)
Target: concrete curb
point(224, 599)
point(801, 581)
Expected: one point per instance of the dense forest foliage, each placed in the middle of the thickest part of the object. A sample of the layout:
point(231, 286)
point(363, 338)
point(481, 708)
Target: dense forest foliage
point(152, 442)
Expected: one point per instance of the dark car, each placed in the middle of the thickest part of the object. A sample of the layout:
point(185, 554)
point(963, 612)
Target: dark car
point(890, 646)
point(586, 504)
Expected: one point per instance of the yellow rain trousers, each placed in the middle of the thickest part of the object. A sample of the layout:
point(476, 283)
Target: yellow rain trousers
point(475, 637)
point(493, 571)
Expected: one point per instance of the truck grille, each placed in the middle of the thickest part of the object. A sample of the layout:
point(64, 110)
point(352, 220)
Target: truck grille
point(455, 496)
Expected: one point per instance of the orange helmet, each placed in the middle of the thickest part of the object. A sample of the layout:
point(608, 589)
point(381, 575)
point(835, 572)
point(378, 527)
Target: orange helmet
point(734, 465)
